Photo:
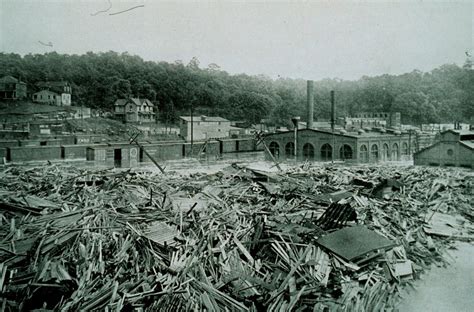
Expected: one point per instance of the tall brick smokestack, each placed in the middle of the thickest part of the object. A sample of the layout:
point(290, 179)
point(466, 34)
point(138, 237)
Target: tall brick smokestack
point(310, 104)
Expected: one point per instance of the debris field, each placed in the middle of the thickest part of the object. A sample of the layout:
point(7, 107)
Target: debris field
point(307, 238)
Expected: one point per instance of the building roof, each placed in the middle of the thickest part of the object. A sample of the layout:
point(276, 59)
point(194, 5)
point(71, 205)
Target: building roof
point(44, 84)
point(337, 132)
point(313, 130)
point(460, 132)
point(468, 144)
point(9, 79)
point(46, 91)
point(136, 101)
point(203, 118)
point(56, 86)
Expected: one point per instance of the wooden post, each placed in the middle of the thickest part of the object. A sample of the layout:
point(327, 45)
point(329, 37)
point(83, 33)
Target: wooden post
point(133, 140)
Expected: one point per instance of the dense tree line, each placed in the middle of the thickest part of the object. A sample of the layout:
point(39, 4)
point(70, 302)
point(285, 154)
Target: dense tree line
point(445, 94)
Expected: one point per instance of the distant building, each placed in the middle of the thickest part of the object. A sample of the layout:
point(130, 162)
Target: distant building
point(60, 90)
point(321, 145)
point(79, 112)
point(453, 148)
point(47, 97)
point(378, 119)
point(204, 127)
point(134, 110)
point(12, 88)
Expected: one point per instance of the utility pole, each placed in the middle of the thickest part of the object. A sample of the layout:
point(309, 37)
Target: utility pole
point(192, 129)
point(332, 126)
point(295, 121)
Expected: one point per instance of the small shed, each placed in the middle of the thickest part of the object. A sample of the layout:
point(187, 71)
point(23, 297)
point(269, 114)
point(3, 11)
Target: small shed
point(74, 151)
point(162, 151)
point(29, 153)
point(117, 155)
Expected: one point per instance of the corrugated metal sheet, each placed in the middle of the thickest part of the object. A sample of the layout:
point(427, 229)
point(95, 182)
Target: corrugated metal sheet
point(353, 242)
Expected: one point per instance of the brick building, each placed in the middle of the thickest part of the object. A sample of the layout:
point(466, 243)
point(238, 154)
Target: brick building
point(320, 145)
point(453, 148)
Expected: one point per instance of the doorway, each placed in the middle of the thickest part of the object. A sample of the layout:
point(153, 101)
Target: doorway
point(117, 157)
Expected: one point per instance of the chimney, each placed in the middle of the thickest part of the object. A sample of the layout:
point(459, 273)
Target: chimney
point(310, 108)
point(333, 111)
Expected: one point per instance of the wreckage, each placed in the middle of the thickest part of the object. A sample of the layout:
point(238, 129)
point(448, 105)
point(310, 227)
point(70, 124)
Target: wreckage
point(307, 238)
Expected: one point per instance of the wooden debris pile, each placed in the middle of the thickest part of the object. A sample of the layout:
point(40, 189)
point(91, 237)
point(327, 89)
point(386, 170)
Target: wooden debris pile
point(337, 238)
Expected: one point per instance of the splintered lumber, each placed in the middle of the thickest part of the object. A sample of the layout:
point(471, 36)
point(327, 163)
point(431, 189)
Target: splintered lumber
point(309, 238)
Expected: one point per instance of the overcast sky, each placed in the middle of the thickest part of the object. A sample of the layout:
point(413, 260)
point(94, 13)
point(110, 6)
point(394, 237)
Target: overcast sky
point(309, 40)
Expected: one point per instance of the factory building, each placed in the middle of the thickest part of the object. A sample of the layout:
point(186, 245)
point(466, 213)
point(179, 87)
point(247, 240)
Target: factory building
point(320, 145)
point(365, 138)
point(453, 148)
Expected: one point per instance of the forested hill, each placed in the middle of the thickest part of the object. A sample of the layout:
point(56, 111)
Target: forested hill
point(445, 94)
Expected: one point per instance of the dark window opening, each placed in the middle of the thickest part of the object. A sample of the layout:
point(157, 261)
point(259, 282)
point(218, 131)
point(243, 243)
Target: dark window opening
point(345, 152)
point(374, 152)
point(183, 150)
point(237, 146)
point(363, 155)
point(385, 152)
point(43, 143)
point(274, 149)
point(117, 157)
point(289, 149)
point(395, 152)
point(404, 148)
point(326, 152)
point(63, 153)
point(308, 151)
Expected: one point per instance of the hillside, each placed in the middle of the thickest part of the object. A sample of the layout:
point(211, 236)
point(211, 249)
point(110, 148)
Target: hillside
point(445, 94)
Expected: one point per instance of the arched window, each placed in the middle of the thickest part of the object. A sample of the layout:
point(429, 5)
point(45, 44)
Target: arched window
point(308, 151)
point(404, 148)
point(274, 149)
point(326, 152)
point(374, 152)
point(345, 152)
point(363, 154)
point(289, 149)
point(385, 152)
point(395, 152)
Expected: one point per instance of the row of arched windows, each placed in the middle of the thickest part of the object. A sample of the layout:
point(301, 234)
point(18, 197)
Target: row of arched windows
point(387, 154)
point(345, 152)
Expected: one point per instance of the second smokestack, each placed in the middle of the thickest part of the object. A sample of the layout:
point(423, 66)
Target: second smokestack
point(310, 103)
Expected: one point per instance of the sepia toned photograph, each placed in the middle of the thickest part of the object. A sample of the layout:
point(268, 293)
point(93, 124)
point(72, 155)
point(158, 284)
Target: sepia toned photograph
point(236, 155)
